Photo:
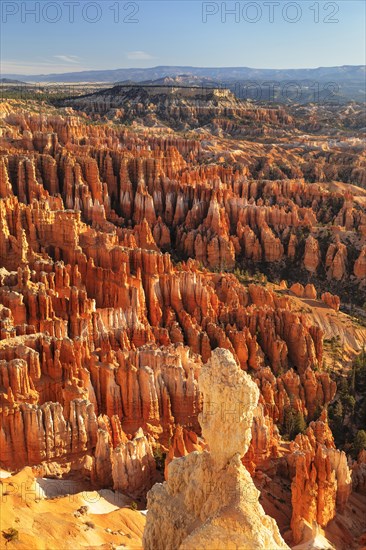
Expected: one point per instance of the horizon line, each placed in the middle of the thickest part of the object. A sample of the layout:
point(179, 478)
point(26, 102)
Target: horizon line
point(4, 75)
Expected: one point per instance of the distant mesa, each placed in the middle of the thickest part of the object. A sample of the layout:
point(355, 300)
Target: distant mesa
point(10, 81)
point(348, 81)
point(179, 106)
point(345, 72)
point(183, 80)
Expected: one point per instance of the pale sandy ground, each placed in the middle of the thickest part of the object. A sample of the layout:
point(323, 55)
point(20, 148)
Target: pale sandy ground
point(103, 501)
point(317, 543)
point(109, 524)
point(359, 194)
point(51, 523)
point(352, 336)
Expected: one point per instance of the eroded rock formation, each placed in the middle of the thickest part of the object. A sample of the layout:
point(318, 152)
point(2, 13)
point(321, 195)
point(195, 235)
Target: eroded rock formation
point(164, 186)
point(115, 249)
point(210, 500)
point(322, 480)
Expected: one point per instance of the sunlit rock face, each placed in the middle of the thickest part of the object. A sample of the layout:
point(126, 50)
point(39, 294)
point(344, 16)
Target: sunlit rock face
point(322, 480)
point(210, 500)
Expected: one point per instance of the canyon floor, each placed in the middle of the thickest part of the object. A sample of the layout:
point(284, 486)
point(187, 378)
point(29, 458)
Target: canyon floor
point(46, 515)
point(141, 231)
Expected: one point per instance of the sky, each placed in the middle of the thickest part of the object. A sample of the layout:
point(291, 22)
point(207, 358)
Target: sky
point(40, 37)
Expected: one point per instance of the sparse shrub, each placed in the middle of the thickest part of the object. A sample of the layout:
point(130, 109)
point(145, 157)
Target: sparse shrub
point(359, 442)
point(10, 534)
point(293, 424)
point(349, 403)
point(133, 505)
point(159, 457)
point(90, 524)
point(300, 424)
point(242, 275)
point(359, 370)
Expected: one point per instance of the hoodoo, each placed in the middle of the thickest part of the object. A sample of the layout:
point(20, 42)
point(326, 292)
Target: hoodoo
point(141, 240)
point(210, 500)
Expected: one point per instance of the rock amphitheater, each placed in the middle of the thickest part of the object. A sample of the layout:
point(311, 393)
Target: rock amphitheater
point(171, 306)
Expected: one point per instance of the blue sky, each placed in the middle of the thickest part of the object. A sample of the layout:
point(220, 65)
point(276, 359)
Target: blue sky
point(149, 33)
